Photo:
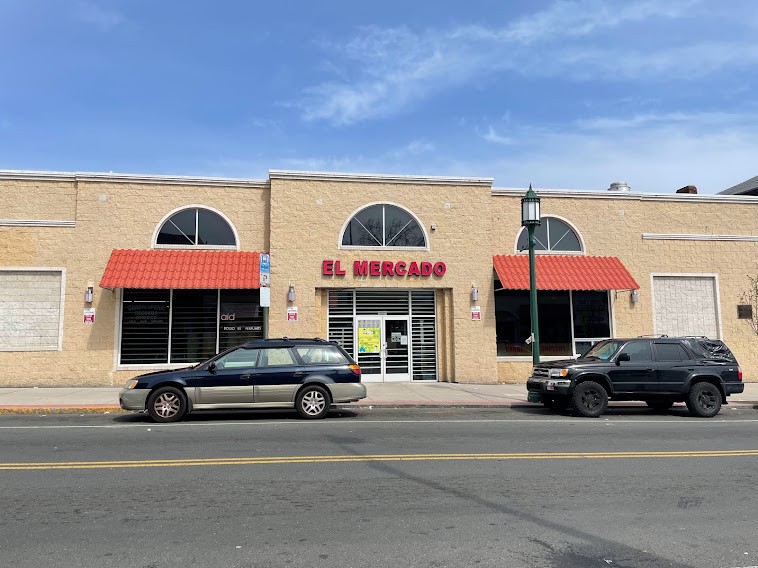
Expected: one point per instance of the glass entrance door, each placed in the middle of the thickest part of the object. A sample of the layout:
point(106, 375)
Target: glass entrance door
point(383, 348)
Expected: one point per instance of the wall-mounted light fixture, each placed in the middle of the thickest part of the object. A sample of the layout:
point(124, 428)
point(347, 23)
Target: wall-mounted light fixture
point(291, 293)
point(635, 296)
point(474, 293)
point(90, 293)
point(434, 226)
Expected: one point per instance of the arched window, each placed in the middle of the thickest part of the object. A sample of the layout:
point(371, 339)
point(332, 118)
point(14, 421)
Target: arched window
point(381, 226)
point(552, 235)
point(196, 227)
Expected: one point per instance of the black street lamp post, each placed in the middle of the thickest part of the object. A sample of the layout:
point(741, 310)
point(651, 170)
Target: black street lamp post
point(530, 218)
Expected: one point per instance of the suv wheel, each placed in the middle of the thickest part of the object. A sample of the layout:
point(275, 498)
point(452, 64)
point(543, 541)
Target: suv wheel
point(589, 399)
point(312, 402)
point(166, 404)
point(704, 400)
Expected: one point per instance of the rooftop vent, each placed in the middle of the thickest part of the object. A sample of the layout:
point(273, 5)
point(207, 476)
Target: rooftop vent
point(687, 189)
point(619, 186)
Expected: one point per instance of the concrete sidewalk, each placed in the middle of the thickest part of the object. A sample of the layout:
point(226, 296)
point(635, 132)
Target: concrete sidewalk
point(105, 399)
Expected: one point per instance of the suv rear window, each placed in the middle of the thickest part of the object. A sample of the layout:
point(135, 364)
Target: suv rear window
point(709, 348)
point(321, 355)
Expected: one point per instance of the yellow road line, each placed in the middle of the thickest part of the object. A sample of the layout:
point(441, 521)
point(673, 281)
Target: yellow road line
point(369, 458)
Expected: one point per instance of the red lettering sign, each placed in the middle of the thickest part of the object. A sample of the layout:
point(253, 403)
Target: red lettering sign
point(425, 269)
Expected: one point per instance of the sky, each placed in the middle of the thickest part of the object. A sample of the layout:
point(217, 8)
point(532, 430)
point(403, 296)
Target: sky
point(559, 94)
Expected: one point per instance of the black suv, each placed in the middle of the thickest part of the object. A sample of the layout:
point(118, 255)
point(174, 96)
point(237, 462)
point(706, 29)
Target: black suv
point(698, 371)
point(308, 375)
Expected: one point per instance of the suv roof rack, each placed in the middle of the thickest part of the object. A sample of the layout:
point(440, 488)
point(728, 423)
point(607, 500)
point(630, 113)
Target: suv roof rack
point(654, 335)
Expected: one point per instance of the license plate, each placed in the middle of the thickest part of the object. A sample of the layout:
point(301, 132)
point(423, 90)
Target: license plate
point(534, 397)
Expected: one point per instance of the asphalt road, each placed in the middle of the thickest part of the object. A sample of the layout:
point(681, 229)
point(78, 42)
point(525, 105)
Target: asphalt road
point(508, 487)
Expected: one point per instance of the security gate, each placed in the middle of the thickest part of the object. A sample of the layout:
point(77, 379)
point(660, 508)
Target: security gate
point(390, 333)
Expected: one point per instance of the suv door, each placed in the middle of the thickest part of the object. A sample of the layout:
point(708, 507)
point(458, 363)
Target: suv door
point(277, 375)
point(228, 379)
point(638, 374)
point(674, 365)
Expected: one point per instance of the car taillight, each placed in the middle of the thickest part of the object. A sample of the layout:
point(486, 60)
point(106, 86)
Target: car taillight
point(739, 372)
point(357, 370)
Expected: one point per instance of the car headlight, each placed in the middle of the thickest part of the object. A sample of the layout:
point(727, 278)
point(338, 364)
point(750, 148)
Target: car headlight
point(131, 384)
point(558, 372)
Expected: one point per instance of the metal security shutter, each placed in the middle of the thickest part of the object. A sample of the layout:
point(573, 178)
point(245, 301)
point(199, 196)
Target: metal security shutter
point(341, 309)
point(385, 302)
point(30, 310)
point(685, 305)
point(344, 305)
point(423, 336)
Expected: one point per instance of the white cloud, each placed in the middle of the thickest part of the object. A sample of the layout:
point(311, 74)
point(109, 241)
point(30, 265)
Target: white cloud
point(386, 71)
point(97, 16)
point(492, 136)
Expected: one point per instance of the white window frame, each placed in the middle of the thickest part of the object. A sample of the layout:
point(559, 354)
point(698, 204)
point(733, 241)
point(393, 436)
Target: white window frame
point(156, 232)
point(582, 244)
point(381, 247)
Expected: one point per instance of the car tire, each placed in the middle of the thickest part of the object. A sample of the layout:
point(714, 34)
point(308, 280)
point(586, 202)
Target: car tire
point(560, 403)
point(167, 404)
point(704, 400)
point(660, 405)
point(589, 399)
point(312, 402)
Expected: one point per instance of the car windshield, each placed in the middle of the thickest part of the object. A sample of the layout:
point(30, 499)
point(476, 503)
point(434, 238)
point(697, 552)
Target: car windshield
point(603, 350)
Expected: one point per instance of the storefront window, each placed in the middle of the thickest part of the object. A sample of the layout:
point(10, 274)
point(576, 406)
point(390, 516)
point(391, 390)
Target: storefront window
point(379, 226)
point(203, 322)
point(588, 310)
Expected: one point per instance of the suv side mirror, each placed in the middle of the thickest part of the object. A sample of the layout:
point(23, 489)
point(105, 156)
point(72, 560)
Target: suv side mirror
point(212, 367)
point(623, 357)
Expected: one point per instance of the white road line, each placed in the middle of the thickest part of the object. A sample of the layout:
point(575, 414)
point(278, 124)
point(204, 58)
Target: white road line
point(354, 423)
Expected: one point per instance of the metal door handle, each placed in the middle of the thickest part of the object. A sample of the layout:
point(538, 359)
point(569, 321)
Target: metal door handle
point(246, 376)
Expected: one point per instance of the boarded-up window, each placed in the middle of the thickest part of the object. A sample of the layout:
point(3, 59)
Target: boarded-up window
point(685, 305)
point(30, 310)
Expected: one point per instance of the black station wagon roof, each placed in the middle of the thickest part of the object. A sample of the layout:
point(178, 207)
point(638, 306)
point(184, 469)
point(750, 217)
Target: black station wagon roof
point(285, 342)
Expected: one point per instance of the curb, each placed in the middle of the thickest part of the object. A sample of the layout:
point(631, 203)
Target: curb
point(48, 409)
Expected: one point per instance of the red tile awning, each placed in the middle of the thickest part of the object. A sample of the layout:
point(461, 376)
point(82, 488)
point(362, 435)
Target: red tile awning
point(182, 269)
point(564, 272)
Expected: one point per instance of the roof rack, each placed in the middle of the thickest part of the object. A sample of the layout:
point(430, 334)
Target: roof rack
point(654, 335)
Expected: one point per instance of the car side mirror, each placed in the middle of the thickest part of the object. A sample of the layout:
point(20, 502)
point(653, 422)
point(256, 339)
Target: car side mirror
point(212, 367)
point(623, 357)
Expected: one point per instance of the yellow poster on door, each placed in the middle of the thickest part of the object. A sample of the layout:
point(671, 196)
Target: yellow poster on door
point(369, 339)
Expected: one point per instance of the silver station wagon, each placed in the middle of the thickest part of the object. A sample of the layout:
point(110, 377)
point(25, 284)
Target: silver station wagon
point(308, 375)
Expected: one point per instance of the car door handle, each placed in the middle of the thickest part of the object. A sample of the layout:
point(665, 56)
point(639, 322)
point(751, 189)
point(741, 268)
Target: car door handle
point(298, 374)
point(246, 376)
point(650, 370)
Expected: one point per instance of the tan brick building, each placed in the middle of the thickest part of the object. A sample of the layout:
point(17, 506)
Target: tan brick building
point(399, 269)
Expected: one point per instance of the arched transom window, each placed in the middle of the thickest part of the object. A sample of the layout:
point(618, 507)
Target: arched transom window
point(383, 225)
point(553, 235)
point(196, 227)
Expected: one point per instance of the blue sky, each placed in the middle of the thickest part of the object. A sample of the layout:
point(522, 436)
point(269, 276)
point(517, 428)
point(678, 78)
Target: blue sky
point(560, 94)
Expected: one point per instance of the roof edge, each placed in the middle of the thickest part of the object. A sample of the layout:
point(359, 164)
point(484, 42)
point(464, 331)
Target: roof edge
point(379, 178)
point(628, 196)
point(129, 178)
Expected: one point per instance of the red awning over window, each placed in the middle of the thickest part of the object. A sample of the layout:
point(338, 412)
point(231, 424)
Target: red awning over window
point(564, 272)
point(182, 269)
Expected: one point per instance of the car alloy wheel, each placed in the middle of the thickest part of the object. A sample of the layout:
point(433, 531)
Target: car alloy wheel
point(166, 404)
point(313, 402)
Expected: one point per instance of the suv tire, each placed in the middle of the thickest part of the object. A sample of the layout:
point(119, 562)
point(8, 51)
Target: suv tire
point(312, 401)
point(166, 404)
point(704, 400)
point(589, 399)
